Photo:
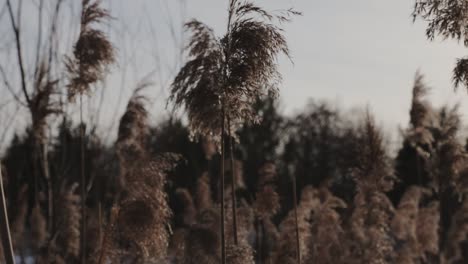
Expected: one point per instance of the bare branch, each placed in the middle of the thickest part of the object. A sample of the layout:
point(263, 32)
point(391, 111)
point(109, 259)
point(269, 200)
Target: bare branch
point(10, 87)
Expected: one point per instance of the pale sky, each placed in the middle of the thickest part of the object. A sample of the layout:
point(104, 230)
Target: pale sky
point(352, 53)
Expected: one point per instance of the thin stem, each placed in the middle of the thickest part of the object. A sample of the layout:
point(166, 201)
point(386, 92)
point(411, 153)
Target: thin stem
point(418, 170)
point(53, 31)
point(233, 185)
point(258, 240)
point(39, 37)
point(50, 190)
point(100, 222)
point(223, 242)
point(5, 229)
point(16, 30)
point(298, 249)
point(35, 172)
point(83, 186)
point(102, 254)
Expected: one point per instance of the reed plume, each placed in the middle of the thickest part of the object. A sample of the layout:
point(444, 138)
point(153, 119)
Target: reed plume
point(232, 71)
point(93, 53)
point(144, 211)
point(446, 18)
point(132, 134)
point(422, 117)
point(140, 226)
point(69, 218)
point(327, 234)
point(203, 196)
point(133, 127)
point(449, 156)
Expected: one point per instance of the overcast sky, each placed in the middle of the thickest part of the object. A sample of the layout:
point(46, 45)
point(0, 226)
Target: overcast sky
point(352, 53)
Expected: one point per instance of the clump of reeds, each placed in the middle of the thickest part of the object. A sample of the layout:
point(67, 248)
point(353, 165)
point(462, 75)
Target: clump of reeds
point(327, 234)
point(69, 218)
point(370, 234)
point(267, 200)
point(266, 206)
point(286, 250)
point(140, 226)
point(132, 135)
point(457, 236)
point(245, 222)
point(416, 227)
point(38, 227)
point(239, 254)
point(266, 203)
point(202, 240)
point(19, 221)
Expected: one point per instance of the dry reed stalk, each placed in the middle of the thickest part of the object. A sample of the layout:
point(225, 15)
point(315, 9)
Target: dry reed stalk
point(4, 226)
point(92, 54)
point(296, 221)
point(82, 185)
point(223, 217)
point(286, 250)
point(233, 186)
point(69, 223)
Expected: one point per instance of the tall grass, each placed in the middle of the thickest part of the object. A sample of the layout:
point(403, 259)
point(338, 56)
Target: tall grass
point(352, 202)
